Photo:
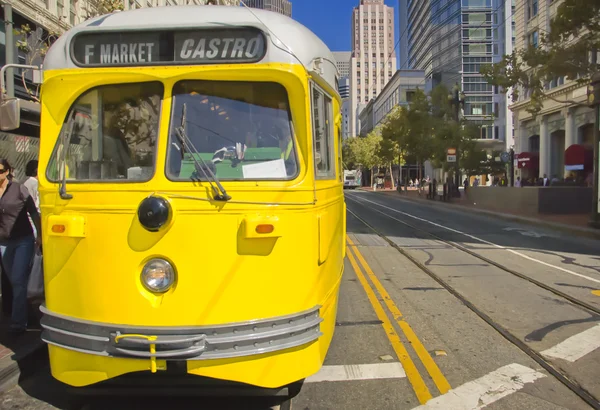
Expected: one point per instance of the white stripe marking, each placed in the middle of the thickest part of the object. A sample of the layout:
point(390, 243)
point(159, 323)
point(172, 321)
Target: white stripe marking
point(482, 392)
point(358, 372)
point(576, 346)
point(478, 239)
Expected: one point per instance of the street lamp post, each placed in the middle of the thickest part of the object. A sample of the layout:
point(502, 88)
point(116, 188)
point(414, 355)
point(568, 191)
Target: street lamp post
point(594, 102)
point(458, 99)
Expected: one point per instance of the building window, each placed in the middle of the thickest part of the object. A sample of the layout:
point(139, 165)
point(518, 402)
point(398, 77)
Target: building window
point(475, 48)
point(73, 12)
point(532, 8)
point(322, 134)
point(476, 34)
point(477, 3)
point(477, 19)
point(533, 39)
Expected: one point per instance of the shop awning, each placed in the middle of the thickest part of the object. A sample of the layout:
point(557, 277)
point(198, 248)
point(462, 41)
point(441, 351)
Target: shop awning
point(529, 160)
point(579, 157)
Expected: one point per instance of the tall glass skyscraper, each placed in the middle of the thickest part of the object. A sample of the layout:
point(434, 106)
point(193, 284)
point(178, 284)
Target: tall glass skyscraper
point(451, 40)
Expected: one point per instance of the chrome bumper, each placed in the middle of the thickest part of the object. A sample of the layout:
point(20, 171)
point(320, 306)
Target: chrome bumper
point(181, 343)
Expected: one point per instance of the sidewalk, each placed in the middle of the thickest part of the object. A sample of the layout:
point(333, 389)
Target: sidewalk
point(16, 349)
point(576, 224)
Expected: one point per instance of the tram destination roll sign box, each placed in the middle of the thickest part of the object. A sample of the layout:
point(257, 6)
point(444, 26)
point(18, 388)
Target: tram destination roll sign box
point(244, 45)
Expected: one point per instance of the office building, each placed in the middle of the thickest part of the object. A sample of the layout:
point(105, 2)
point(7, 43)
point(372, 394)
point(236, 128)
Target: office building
point(403, 44)
point(399, 91)
point(450, 40)
point(280, 6)
point(559, 140)
point(344, 89)
point(342, 61)
point(373, 60)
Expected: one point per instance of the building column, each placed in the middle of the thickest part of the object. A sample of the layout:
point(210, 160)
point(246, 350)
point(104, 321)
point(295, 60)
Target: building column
point(523, 139)
point(570, 131)
point(544, 148)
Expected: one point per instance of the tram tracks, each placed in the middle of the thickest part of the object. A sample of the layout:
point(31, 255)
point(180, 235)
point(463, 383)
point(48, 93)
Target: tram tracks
point(557, 373)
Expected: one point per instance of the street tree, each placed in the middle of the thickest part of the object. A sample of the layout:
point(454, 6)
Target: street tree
point(569, 49)
point(419, 142)
point(395, 132)
point(34, 44)
point(348, 154)
point(101, 7)
point(448, 130)
point(365, 151)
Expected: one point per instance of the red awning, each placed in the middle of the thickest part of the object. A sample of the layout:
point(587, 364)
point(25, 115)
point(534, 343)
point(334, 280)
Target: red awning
point(578, 157)
point(529, 160)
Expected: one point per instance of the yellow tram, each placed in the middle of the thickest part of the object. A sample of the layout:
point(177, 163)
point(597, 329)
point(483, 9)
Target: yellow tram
point(192, 197)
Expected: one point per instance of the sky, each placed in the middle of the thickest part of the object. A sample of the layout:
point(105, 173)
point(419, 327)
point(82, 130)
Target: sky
point(331, 20)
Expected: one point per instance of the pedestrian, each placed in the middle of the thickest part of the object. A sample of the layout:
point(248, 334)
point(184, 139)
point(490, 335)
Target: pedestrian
point(31, 183)
point(17, 240)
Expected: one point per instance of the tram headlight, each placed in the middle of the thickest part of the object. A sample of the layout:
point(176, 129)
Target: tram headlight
point(158, 275)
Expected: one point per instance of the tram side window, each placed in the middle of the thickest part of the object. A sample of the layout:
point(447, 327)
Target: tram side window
point(111, 133)
point(322, 134)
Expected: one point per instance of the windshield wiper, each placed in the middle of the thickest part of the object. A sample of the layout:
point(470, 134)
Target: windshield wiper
point(219, 192)
point(66, 141)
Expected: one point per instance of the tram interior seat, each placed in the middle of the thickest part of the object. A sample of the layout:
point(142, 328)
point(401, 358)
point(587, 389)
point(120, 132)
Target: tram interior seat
point(229, 168)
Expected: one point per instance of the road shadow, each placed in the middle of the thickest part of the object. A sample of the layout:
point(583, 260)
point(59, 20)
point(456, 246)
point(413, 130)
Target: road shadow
point(174, 393)
point(17, 347)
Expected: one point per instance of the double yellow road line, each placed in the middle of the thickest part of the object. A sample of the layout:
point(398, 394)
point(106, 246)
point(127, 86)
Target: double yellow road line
point(412, 373)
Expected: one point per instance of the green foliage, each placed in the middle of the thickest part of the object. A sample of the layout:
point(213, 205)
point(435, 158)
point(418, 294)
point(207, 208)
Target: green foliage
point(101, 7)
point(566, 50)
point(363, 151)
point(35, 47)
point(419, 132)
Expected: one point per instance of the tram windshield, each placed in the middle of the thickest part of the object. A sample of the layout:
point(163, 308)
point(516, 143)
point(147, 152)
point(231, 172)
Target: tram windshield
point(243, 130)
point(112, 134)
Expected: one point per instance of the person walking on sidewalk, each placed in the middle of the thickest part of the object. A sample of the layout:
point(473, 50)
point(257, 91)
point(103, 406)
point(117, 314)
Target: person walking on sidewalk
point(17, 240)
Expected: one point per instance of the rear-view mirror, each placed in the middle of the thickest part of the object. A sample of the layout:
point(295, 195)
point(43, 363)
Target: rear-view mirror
point(10, 114)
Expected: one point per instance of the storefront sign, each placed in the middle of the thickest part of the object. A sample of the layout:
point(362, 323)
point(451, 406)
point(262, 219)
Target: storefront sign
point(143, 48)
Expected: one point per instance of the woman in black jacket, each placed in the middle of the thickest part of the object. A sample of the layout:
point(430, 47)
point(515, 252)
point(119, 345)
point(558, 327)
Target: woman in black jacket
point(17, 240)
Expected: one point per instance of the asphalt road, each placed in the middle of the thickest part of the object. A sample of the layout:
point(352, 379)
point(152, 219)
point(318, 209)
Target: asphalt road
point(403, 341)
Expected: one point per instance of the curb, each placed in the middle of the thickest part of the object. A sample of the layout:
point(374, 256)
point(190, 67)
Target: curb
point(584, 232)
point(10, 373)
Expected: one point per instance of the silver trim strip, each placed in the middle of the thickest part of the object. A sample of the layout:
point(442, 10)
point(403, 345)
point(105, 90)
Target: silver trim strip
point(182, 343)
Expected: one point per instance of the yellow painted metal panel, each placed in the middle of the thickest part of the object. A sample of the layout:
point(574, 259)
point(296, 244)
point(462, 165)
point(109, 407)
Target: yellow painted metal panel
point(225, 271)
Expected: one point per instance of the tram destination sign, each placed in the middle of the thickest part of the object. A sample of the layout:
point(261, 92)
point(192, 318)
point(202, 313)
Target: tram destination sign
point(142, 48)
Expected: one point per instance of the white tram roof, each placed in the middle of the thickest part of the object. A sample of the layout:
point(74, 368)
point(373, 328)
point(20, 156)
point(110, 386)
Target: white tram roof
point(305, 45)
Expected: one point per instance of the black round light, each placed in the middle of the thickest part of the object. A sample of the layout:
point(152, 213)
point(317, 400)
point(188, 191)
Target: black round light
point(154, 212)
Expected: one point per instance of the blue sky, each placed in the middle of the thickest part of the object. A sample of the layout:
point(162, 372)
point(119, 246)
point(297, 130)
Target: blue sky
point(331, 19)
